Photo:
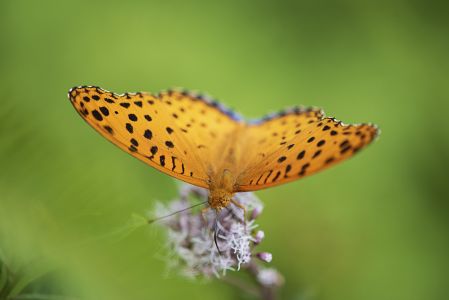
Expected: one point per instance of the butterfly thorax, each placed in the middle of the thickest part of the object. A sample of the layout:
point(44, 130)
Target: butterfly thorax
point(221, 190)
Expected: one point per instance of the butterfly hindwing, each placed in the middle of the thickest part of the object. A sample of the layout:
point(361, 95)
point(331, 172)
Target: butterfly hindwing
point(173, 132)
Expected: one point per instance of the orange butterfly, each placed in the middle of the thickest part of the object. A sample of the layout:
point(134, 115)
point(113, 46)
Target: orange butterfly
point(200, 142)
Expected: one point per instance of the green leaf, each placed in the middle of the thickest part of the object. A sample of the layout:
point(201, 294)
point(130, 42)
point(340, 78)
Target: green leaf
point(31, 273)
point(3, 276)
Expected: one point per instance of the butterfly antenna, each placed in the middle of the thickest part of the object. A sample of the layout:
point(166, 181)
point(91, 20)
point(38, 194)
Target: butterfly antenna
point(176, 212)
point(216, 234)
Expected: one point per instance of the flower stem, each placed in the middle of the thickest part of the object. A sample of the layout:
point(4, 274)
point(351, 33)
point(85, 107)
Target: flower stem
point(249, 289)
point(266, 292)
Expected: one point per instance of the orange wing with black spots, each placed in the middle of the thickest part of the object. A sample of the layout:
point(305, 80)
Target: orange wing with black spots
point(194, 139)
point(174, 132)
point(296, 144)
point(262, 138)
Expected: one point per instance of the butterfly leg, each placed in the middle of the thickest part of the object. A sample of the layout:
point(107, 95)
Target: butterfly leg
point(242, 207)
point(203, 214)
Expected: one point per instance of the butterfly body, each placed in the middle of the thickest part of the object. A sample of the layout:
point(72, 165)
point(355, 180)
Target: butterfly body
point(197, 140)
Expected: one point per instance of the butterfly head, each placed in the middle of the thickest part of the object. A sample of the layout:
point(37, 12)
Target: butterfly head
point(219, 198)
point(222, 190)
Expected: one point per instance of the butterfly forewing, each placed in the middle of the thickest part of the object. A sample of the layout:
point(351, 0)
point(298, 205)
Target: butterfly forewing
point(300, 144)
point(174, 132)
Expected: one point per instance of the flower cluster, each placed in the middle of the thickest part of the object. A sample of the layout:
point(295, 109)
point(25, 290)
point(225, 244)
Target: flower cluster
point(190, 234)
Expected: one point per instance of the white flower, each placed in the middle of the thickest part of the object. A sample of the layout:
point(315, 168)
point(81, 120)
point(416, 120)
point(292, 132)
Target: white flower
point(238, 240)
point(190, 237)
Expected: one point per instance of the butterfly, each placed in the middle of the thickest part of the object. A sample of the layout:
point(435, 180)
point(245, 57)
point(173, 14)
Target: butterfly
point(197, 140)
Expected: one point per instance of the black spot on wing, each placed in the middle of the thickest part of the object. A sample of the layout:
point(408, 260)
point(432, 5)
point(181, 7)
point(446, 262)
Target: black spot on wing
point(108, 129)
point(132, 117)
point(173, 161)
point(129, 127)
point(301, 154)
point(266, 178)
point(288, 168)
point(97, 115)
point(281, 159)
point(104, 111)
point(153, 150)
point(148, 134)
point(321, 143)
point(276, 176)
point(316, 154)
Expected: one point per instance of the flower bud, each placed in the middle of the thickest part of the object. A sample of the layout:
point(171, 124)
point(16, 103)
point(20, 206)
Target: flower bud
point(265, 256)
point(270, 277)
point(255, 213)
point(259, 236)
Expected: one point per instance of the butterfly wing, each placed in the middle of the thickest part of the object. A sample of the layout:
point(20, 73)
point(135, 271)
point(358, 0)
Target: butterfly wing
point(296, 144)
point(172, 132)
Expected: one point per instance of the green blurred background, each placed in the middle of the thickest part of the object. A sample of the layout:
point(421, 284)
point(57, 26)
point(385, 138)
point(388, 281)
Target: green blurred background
point(374, 227)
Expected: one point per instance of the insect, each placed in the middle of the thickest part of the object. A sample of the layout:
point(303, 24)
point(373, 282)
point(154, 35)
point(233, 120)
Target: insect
point(197, 140)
